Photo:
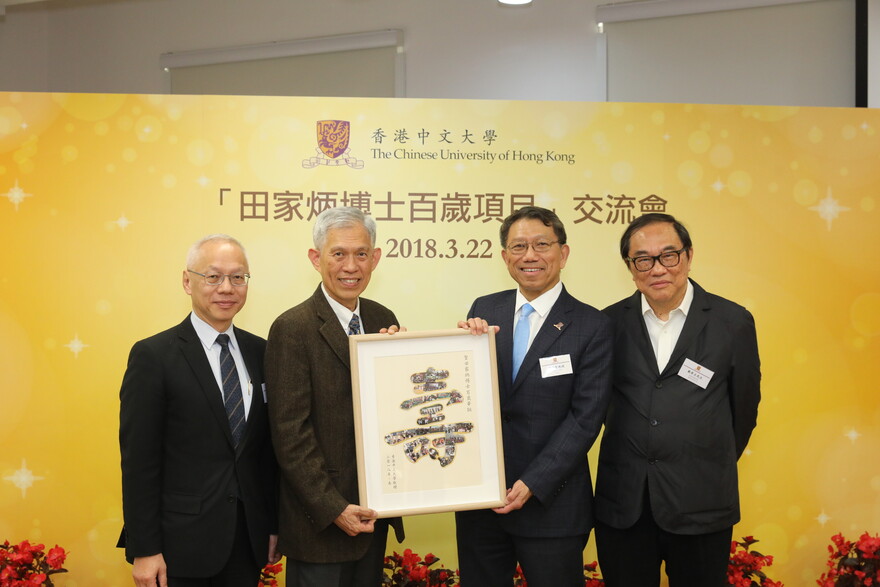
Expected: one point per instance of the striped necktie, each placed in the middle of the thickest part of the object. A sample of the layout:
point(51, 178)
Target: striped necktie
point(232, 398)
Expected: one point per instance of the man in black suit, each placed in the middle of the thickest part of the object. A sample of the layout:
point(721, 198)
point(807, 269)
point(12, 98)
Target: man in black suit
point(554, 373)
point(684, 403)
point(199, 482)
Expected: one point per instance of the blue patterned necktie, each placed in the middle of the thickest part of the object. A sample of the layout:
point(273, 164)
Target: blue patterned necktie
point(354, 325)
point(232, 398)
point(521, 337)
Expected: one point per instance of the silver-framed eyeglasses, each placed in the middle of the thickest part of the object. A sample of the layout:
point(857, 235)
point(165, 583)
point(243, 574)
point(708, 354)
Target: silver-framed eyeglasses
point(539, 246)
point(236, 279)
point(666, 258)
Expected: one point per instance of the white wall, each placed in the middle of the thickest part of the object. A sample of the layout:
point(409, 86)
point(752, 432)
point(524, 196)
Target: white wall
point(801, 53)
point(454, 48)
point(874, 53)
point(24, 50)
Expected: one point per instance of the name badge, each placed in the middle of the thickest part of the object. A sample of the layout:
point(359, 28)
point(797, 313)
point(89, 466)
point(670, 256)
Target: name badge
point(696, 373)
point(555, 366)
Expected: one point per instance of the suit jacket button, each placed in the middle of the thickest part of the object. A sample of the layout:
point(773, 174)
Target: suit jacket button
point(654, 422)
point(652, 461)
point(230, 498)
point(658, 384)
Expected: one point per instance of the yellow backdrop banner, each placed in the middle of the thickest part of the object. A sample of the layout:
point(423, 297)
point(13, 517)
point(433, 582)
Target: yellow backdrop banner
point(105, 193)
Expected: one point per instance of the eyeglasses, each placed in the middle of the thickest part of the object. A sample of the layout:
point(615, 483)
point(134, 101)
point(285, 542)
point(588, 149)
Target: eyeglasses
point(236, 279)
point(537, 246)
point(666, 258)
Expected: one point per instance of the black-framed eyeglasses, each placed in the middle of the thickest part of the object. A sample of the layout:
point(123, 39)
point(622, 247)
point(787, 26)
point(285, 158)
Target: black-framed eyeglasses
point(520, 248)
point(666, 258)
point(236, 279)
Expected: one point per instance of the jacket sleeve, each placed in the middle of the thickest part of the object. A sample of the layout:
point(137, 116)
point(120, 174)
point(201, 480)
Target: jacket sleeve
point(300, 458)
point(745, 382)
point(141, 430)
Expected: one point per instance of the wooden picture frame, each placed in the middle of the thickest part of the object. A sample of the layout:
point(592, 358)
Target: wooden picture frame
point(427, 422)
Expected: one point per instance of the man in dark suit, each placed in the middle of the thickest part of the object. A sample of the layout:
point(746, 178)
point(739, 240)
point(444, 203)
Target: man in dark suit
point(199, 483)
point(329, 539)
point(552, 407)
point(684, 403)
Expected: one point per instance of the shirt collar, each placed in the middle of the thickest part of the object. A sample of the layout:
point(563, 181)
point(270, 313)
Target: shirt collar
point(207, 334)
point(684, 306)
point(543, 302)
point(343, 314)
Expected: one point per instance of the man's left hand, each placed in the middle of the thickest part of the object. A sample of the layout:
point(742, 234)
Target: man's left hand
point(517, 496)
point(355, 520)
point(477, 326)
point(392, 329)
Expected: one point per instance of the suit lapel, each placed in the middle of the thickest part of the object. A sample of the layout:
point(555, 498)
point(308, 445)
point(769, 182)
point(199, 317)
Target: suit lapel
point(330, 329)
point(557, 322)
point(546, 336)
point(635, 328)
point(194, 353)
point(503, 313)
point(254, 364)
point(698, 317)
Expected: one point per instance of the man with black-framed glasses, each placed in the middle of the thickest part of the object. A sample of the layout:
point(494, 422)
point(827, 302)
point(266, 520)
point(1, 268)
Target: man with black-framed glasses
point(686, 388)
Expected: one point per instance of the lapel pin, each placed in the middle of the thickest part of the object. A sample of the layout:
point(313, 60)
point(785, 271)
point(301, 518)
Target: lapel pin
point(559, 326)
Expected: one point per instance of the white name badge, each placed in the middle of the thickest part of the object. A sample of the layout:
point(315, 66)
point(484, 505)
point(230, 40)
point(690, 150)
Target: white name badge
point(555, 366)
point(696, 373)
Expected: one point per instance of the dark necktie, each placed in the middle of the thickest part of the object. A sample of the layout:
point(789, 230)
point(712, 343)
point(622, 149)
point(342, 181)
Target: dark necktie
point(521, 337)
point(232, 398)
point(354, 325)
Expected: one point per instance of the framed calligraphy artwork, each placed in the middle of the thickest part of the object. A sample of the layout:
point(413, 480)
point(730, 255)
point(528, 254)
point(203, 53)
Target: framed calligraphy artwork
point(427, 422)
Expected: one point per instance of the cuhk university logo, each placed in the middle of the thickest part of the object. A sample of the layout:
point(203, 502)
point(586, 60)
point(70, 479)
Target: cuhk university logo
point(332, 146)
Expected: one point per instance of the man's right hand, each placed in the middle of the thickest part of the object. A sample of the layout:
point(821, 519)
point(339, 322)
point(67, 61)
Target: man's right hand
point(355, 520)
point(149, 571)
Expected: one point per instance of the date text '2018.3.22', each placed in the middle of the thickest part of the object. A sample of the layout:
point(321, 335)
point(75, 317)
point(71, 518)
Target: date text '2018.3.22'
point(430, 248)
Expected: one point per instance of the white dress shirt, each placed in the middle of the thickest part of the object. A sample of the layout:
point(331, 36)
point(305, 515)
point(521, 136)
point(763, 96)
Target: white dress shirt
point(664, 334)
point(343, 314)
point(542, 305)
point(208, 337)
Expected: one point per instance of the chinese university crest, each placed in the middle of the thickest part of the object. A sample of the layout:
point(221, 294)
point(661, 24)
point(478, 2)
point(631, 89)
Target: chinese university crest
point(332, 146)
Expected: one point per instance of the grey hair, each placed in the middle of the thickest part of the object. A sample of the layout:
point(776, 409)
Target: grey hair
point(193, 254)
point(341, 217)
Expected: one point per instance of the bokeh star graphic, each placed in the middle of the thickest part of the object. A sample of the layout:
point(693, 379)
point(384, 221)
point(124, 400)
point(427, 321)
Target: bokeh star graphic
point(829, 209)
point(76, 346)
point(16, 195)
point(23, 478)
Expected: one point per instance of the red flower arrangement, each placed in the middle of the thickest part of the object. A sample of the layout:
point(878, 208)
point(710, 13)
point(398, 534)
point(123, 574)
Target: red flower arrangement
point(744, 568)
point(267, 575)
point(592, 578)
point(26, 565)
point(852, 564)
point(409, 570)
